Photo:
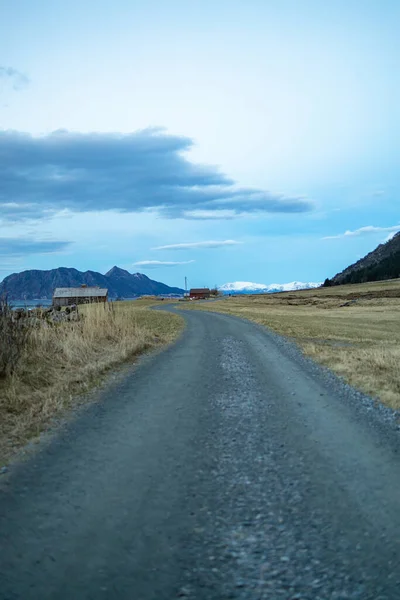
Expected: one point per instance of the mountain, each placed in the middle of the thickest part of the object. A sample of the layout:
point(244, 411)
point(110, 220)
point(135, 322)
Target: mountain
point(293, 286)
point(243, 286)
point(382, 263)
point(247, 287)
point(32, 285)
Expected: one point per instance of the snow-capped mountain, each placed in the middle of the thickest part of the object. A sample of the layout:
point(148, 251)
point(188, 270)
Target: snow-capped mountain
point(243, 286)
point(292, 286)
point(247, 287)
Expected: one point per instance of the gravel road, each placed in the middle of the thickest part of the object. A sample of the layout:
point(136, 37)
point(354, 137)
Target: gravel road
point(227, 466)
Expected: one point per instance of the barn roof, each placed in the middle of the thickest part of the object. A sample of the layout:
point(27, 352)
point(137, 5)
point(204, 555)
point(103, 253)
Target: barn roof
point(80, 292)
point(200, 291)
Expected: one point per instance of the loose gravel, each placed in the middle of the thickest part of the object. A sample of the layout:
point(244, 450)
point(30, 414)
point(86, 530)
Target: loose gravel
point(228, 466)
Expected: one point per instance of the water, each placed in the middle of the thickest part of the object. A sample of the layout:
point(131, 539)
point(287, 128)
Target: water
point(45, 303)
point(36, 302)
point(30, 303)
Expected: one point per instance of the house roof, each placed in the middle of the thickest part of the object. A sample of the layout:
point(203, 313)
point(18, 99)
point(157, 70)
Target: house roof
point(200, 291)
point(80, 292)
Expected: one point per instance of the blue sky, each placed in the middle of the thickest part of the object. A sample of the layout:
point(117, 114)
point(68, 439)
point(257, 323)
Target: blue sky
point(220, 140)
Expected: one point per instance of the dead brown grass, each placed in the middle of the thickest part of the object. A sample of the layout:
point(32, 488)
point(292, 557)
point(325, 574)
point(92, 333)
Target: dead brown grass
point(12, 340)
point(61, 361)
point(359, 341)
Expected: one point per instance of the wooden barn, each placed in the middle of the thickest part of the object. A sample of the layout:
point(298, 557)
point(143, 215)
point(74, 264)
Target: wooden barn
point(80, 295)
point(199, 293)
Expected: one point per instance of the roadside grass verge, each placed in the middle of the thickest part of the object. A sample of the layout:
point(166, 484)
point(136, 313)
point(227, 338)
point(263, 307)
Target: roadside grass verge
point(60, 361)
point(354, 329)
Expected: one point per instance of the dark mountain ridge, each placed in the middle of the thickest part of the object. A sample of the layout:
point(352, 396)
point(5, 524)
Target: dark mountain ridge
point(382, 263)
point(37, 284)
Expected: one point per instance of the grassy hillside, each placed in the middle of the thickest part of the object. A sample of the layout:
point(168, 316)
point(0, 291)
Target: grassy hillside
point(353, 329)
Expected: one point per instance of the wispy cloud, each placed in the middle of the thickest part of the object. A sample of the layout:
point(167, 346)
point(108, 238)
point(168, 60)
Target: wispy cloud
point(363, 231)
point(191, 245)
point(146, 170)
point(22, 246)
point(12, 265)
point(153, 264)
point(214, 215)
point(17, 79)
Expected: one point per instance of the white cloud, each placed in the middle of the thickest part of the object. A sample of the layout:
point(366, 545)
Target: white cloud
point(152, 264)
point(363, 231)
point(212, 214)
point(206, 244)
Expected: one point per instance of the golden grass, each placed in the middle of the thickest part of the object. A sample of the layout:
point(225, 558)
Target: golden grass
point(360, 342)
point(61, 361)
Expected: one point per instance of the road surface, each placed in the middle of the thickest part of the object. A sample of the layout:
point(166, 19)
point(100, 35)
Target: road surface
point(226, 466)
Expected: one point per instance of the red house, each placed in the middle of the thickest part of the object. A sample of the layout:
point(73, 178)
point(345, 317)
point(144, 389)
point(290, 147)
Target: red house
point(199, 293)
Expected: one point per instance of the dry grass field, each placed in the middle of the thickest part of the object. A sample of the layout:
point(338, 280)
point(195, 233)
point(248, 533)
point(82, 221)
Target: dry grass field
point(62, 360)
point(353, 329)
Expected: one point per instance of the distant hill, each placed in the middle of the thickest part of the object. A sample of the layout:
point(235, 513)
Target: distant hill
point(382, 263)
point(247, 287)
point(32, 285)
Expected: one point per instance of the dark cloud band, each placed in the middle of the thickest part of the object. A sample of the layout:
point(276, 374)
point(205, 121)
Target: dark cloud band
point(125, 172)
point(22, 247)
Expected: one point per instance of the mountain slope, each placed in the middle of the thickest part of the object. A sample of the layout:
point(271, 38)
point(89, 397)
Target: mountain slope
point(247, 287)
point(381, 263)
point(35, 284)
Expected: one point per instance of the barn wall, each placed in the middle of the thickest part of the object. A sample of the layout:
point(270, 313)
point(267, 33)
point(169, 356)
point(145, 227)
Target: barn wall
point(199, 296)
point(80, 300)
point(60, 301)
